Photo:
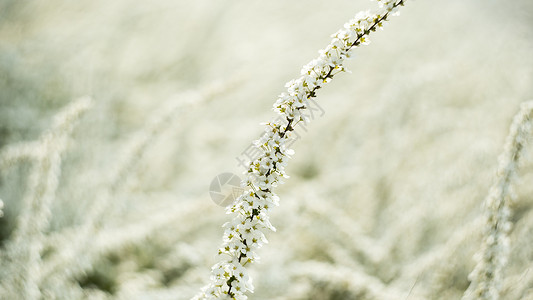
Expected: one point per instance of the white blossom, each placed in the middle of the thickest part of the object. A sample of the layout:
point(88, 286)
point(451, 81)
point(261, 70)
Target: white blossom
point(244, 235)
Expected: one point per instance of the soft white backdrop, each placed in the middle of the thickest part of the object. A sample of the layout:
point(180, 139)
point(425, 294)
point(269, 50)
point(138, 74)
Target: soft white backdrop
point(398, 165)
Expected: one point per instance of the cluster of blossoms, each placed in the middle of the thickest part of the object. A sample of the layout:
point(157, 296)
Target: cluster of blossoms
point(487, 275)
point(244, 234)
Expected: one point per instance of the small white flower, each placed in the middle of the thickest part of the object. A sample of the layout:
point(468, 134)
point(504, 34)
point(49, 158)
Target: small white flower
point(244, 235)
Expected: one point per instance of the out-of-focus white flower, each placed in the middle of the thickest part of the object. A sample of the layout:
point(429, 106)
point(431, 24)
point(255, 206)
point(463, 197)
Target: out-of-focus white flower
point(492, 257)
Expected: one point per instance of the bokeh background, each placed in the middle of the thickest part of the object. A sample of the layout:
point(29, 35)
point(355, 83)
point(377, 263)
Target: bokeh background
point(386, 188)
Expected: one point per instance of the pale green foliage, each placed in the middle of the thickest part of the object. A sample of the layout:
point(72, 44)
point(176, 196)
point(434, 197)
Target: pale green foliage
point(23, 252)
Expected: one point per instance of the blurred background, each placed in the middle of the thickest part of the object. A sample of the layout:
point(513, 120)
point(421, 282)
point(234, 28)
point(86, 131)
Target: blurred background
point(386, 187)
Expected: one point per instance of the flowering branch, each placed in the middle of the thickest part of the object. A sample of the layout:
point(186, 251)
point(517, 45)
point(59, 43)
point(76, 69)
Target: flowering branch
point(75, 252)
point(492, 257)
point(243, 235)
